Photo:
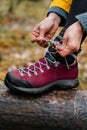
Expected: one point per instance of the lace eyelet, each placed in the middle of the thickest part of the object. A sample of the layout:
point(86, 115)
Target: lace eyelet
point(48, 67)
point(29, 75)
point(56, 64)
point(41, 71)
point(21, 74)
point(35, 73)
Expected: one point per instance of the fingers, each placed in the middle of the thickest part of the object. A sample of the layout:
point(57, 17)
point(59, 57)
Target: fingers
point(71, 40)
point(35, 34)
point(67, 47)
point(44, 30)
point(60, 47)
point(39, 35)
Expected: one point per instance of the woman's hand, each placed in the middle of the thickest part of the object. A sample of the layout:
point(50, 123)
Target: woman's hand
point(71, 40)
point(45, 29)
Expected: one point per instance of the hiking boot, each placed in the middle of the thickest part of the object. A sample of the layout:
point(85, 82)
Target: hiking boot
point(50, 72)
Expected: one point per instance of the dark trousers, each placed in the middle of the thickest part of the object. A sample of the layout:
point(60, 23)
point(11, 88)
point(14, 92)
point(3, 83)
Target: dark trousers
point(77, 7)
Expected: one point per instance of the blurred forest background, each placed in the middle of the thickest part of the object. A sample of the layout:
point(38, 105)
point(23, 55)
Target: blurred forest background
point(17, 19)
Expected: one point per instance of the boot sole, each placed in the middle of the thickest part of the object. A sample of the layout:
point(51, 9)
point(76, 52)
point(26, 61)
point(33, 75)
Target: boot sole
point(59, 85)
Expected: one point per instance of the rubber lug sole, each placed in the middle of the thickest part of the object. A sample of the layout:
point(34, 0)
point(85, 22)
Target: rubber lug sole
point(59, 85)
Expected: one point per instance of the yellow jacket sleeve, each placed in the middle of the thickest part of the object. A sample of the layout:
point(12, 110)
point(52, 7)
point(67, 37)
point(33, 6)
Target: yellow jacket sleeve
point(63, 4)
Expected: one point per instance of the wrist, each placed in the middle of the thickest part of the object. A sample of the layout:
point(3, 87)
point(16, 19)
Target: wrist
point(79, 26)
point(55, 17)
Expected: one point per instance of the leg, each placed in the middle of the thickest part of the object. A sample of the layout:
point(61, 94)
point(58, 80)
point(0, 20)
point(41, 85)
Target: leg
point(77, 7)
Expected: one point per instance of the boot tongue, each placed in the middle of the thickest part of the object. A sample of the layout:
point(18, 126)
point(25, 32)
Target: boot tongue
point(53, 55)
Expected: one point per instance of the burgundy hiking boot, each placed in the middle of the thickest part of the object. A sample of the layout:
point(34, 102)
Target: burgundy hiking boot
point(52, 71)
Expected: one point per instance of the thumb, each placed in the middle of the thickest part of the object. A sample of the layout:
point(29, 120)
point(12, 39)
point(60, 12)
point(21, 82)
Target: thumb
point(61, 46)
point(65, 41)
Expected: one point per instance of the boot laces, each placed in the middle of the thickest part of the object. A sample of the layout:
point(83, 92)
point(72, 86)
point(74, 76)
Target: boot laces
point(34, 67)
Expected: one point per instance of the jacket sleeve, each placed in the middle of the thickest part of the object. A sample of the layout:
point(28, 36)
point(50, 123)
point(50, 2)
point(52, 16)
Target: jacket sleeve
point(82, 18)
point(64, 4)
point(60, 7)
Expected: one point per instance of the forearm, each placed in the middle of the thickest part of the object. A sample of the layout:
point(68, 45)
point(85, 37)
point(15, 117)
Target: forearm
point(63, 4)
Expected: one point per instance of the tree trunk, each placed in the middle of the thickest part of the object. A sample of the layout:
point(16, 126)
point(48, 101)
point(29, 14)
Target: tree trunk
point(57, 110)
